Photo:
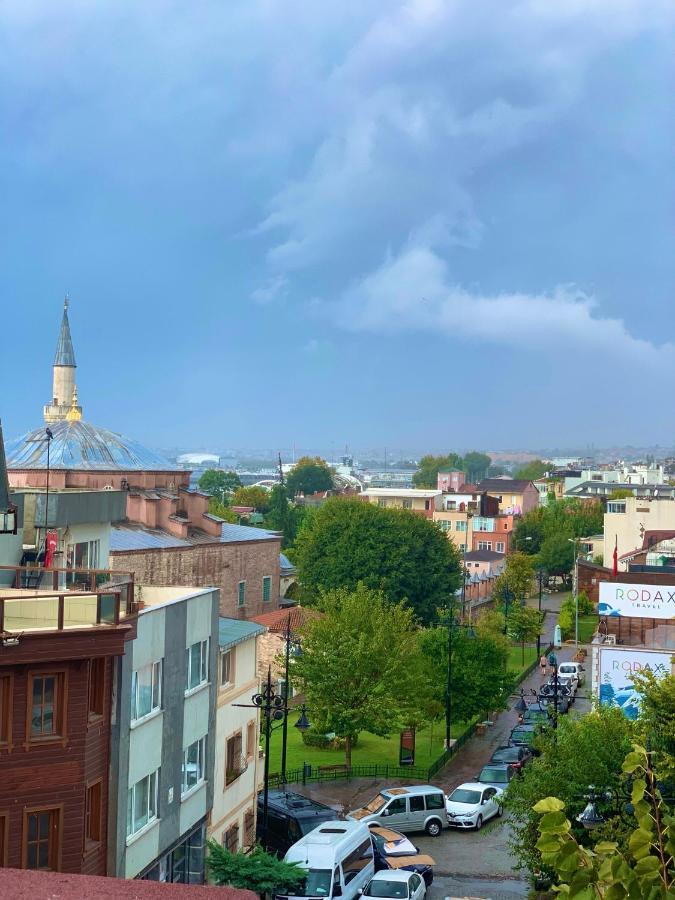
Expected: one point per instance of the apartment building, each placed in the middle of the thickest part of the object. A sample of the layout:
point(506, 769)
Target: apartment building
point(629, 521)
point(516, 496)
point(419, 500)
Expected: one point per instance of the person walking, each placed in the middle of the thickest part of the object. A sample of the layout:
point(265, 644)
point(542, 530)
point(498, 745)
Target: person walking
point(543, 663)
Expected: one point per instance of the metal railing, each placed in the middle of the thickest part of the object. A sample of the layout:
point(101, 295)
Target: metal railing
point(36, 577)
point(47, 611)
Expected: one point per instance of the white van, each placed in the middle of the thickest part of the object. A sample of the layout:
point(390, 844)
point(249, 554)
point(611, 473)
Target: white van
point(572, 668)
point(339, 860)
point(420, 807)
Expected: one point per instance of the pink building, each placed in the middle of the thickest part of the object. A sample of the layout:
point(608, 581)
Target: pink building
point(453, 480)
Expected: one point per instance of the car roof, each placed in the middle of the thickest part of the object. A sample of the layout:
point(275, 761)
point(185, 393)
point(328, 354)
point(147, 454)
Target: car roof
point(392, 875)
point(470, 786)
point(411, 790)
point(490, 765)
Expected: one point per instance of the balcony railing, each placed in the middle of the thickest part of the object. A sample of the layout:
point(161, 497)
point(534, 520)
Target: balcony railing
point(27, 611)
point(73, 579)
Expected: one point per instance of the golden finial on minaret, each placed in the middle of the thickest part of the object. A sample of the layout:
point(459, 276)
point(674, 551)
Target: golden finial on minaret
point(74, 414)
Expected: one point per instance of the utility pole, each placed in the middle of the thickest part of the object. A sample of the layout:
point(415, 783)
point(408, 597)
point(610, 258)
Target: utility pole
point(281, 471)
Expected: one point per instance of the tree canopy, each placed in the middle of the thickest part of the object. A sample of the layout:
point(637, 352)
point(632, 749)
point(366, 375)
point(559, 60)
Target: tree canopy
point(373, 640)
point(552, 525)
point(524, 625)
point(474, 465)
point(394, 550)
point(219, 484)
point(309, 475)
point(257, 497)
point(532, 470)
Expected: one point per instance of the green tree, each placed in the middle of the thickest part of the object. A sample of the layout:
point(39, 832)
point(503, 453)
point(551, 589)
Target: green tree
point(516, 577)
point(257, 497)
point(586, 750)
point(476, 466)
point(524, 625)
point(280, 514)
point(557, 554)
point(359, 666)
point(216, 508)
point(643, 869)
point(258, 871)
point(394, 550)
point(309, 475)
point(429, 466)
point(219, 484)
point(532, 470)
point(621, 494)
point(657, 716)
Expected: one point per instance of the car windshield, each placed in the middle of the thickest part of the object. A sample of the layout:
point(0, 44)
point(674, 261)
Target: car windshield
point(400, 846)
point(462, 795)
point(508, 754)
point(492, 773)
point(376, 803)
point(316, 884)
point(378, 887)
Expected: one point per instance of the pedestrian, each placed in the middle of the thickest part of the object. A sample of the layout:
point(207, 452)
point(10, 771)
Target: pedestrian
point(543, 662)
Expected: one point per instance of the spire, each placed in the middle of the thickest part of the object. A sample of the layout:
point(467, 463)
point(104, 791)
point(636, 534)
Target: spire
point(4, 483)
point(65, 355)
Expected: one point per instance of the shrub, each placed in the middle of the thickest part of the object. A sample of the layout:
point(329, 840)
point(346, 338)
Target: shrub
point(320, 741)
point(586, 606)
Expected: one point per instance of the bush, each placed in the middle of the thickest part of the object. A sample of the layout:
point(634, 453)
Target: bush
point(566, 619)
point(586, 606)
point(320, 741)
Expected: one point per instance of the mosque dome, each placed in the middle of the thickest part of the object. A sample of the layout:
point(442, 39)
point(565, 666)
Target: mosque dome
point(78, 445)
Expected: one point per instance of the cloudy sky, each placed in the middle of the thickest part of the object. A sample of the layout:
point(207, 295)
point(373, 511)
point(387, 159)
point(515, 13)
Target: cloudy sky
point(424, 224)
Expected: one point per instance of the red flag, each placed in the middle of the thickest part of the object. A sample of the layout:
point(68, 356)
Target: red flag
point(50, 547)
point(615, 566)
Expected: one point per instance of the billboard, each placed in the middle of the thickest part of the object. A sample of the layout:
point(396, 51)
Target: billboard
point(643, 601)
point(616, 668)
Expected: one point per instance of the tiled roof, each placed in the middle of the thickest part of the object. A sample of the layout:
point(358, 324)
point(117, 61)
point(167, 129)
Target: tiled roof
point(234, 631)
point(277, 620)
point(28, 884)
point(247, 533)
point(137, 537)
point(503, 484)
point(483, 556)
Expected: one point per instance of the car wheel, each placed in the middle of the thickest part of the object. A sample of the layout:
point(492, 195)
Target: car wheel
point(433, 828)
point(500, 811)
point(479, 823)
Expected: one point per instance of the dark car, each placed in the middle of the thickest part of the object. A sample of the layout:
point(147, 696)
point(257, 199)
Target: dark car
point(516, 755)
point(290, 816)
point(497, 774)
point(535, 714)
point(524, 734)
point(396, 851)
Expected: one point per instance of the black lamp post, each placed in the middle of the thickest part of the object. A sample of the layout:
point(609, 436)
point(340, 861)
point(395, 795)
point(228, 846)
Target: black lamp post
point(290, 645)
point(591, 817)
point(274, 707)
point(541, 574)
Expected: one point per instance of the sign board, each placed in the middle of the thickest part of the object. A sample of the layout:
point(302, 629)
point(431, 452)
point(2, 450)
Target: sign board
point(643, 601)
point(616, 668)
point(406, 752)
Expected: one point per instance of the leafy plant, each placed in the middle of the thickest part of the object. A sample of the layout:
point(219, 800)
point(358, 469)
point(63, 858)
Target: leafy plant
point(256, 871)
point(645, 870)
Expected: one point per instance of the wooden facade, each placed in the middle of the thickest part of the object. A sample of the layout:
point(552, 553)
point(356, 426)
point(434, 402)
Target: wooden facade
point(54, 750)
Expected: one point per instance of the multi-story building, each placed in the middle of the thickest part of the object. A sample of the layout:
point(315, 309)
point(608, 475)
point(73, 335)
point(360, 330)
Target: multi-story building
point(493, 533)
point(451, 480)
point(232, 821)
point(420, 500)
point(627, 521)
point(516, 496)
point(458, 526)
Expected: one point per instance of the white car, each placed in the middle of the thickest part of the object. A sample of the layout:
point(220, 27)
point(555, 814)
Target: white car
point(573, 668)
point(472, 804)
point(396, 884)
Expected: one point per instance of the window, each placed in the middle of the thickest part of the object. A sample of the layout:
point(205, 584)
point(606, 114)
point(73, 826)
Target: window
point(227, 667)
point(41, 839)
point(249, 828)
point(445, 525)
point(407, 504)
point(241, 593)
point(427, 504)
point(96, 687)
point(197, 665)
point(92, 814)
point(417, 804)
point(435, 801)
point(251, 740)
point(267, 588)
point(146, 690)
point(485, 545)
point(231, 839)
point(193, 765)
point(4, 825)
point(462, 546)
point(142, 803)
point(47, 701)
point(234, 765)
point(5, 714)
point(86, 555)
point(460, 525)
point(499, 546)
point(614, 507)
point(357, 860)
point(397, 806)
point(381, 501)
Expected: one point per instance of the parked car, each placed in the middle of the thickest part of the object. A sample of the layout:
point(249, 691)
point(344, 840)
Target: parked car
point(396, 851)
point(338, 858)
point(416, 808)
point(399, 885)
point(573, 668)
point(570, 680)
point(516, 755)
point(524, 734)
point(535, 714)
point(497, 774)
point(564, 690)
point(290, 816)
point(472, 804)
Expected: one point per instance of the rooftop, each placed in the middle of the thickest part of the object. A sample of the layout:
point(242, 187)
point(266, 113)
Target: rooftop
point(401, 492)
point(278, 620)
point(503, 484)
point(131, 536)
point(483, 556)
point(235, 631)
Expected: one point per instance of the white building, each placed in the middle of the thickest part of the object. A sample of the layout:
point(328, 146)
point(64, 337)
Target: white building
point(626, 522)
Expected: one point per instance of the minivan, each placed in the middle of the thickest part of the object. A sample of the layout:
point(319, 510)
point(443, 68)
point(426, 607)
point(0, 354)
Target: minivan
point(573, 668)
point(339, 859)
point(290, 816)
point(417, 808)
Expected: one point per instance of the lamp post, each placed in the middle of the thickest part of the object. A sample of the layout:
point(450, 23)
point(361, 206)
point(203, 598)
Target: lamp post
point(541, 574)
point(591, 817)
point(50, 437)
point(274, 707)
point(290, 644)
point(575, 589)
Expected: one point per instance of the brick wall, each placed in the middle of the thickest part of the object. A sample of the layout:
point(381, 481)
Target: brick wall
point(218, 565)
point(591, 575)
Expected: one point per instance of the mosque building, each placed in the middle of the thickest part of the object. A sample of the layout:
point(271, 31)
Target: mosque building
point(168, 535)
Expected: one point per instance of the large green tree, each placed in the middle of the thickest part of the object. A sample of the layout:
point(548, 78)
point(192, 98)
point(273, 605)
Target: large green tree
point(476, 465)
point(556, 554)
point(219, 484)
point(429, 466)
point(532, 470)
point(560, 518)
point(257, 497)
point(394, 550)
point(359, 667)
point(309, 475)
point(524, 625)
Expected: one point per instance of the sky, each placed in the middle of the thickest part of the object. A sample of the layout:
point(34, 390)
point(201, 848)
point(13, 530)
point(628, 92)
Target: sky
point(428, 224)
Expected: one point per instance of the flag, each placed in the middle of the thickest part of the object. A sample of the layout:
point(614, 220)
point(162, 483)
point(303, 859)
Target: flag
point(615, 565)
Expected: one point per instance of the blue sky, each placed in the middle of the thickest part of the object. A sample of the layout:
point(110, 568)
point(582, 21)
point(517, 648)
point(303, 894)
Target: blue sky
point(421, 223)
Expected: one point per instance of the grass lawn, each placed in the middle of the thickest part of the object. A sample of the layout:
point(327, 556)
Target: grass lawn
point(588, 625)
point(516, 657)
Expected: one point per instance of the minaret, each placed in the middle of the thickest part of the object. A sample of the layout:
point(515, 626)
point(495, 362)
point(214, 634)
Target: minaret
point(64, 391)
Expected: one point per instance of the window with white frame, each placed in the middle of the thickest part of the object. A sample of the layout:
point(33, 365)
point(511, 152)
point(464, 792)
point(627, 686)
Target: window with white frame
point(485, 545)
point(227, 667)
point(499, 546)
point(460, 525)
point(614, 507)
point(142, 803)
point(193, 765)
point(196, 665)
point(146, 690)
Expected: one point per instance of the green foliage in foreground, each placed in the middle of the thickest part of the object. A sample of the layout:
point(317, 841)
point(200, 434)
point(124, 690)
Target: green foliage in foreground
point(256, 871)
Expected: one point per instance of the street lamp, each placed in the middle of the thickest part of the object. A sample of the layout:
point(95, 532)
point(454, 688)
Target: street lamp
point(290, 645)
point(541, 575)
point(591, 817)
point(274, 707)
point(575, 589)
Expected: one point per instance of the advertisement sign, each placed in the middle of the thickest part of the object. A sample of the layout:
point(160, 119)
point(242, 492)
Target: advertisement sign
point(643, 601)
point(617, 667)
point(406, 752)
